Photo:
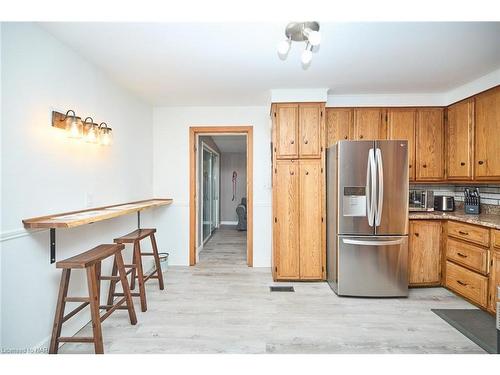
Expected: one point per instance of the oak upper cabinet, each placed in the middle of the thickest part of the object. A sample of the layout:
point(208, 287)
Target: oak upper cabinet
point(299, 130)
point(429, 144)
point(310, 126)
point(310, 226)
point(287, 117)
point(401, 125)
point(459, 137)
point(487, 135)
point(286, 222)
point(338, 125)
point(424, 252)
point(369, 124)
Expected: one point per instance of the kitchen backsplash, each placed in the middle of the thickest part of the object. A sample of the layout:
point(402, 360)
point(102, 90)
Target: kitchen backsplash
point(490, 194)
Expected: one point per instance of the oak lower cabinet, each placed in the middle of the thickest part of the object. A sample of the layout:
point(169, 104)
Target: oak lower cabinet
point(430, 144)
point(339, 122)
point(298, 205)
point(298, 130)
point(401, 125)
point(494, 280)
point(487, 135)
point(459, 137)
point(424, 252)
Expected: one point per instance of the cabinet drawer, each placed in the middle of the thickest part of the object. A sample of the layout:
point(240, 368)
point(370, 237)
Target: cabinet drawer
point(496, 237)
point(468, 232)
point(467, 283)
point(468, 255)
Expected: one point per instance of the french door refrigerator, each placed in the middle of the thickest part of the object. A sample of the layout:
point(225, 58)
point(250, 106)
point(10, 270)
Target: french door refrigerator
point(367, 218)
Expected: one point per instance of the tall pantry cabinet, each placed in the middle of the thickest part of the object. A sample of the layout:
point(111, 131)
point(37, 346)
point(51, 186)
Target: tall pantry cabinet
point(299, 236)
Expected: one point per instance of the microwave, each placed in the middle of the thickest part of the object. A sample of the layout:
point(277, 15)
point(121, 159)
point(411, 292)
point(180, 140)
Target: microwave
point(421, 200)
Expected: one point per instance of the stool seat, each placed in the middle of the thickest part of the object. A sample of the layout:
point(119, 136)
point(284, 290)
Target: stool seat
point(91, 256)
point(134, 236)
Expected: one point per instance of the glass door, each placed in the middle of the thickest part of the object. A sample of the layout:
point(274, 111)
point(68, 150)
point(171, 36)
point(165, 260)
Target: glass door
point(210, 189)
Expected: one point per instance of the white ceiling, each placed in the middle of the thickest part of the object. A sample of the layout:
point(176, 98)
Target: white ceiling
point(230, 143)
point(237, 63)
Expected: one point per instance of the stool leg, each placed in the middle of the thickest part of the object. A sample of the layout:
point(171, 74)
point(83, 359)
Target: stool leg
point(134, 271)
point(140, 275)
point(94, 309)
point(157, 261)
point(98, 280)
point(61, 304)
point(125, 287)
point(112, 285)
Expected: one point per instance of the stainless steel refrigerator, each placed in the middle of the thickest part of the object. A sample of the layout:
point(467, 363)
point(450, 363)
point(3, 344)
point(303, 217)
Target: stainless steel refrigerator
point(367, 218)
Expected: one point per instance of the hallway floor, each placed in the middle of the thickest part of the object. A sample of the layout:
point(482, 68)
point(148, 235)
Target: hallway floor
point(222, 306)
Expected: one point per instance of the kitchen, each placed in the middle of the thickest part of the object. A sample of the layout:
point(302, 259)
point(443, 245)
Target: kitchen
point(371, 189)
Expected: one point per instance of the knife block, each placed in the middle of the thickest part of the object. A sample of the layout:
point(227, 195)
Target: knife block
point(473, 209)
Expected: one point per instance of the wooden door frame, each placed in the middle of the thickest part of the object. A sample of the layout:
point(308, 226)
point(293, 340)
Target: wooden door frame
point(194, 132)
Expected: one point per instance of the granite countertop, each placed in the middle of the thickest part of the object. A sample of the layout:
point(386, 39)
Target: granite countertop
point(485, 220)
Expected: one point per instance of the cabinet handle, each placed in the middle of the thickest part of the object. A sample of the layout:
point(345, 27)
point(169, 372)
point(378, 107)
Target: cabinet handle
point(464, 233)
point(462, 255)
point(416, 234)
point(345, 136)
point(481, 162)
point(306, 141)
point(424, 165)
point(361, 137)
point(292, 141)
point(461, 283)
point(409, 165)
point(307, 173)
point(462, 163)
point(292, 173)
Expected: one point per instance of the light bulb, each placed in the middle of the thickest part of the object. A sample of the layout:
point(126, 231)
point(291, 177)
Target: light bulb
point(105, 137)
point(306, 56)
point(314, 37)
point(284, 47)
point(91, 136)
point(74, 129)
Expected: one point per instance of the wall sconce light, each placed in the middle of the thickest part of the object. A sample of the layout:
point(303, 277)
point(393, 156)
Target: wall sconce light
point(105, 134)
point(69, 122)
point(88, 129)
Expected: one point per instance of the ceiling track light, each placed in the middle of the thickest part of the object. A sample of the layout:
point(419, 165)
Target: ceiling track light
point(301, 32)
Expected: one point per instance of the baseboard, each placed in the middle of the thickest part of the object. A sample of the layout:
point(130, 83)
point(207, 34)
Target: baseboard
point(229, 223)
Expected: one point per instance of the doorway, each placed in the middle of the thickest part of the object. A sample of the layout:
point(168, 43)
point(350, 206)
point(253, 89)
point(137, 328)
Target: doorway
point(205, 200)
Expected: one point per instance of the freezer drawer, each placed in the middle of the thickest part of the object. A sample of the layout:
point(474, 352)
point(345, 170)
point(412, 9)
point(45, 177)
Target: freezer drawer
point(372, 266)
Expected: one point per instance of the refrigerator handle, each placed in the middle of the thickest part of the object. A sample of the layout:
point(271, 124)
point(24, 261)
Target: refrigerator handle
point(372, 242)
point(380, 172)
point(370, 186)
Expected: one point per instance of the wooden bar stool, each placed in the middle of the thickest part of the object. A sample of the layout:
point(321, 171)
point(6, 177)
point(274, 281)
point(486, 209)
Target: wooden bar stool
point(91, 261)
point(136, 267)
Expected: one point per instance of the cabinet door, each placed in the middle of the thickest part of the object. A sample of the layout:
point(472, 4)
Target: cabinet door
point(338, 125)
point(310, 204)
point(369, 124)
point(310, 125)
point(429, 151)
point(287, 118)
point(459, 140)
point(286, 226)
point(487, 122)
point(401, 125)
point(424, 252)
point(494, 280)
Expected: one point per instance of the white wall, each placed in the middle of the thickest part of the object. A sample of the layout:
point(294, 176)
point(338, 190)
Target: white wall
point(232, 161)
point(171, 173)
point(43, 172)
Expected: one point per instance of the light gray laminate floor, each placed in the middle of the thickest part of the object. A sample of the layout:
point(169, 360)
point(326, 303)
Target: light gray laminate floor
point(222, 306)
